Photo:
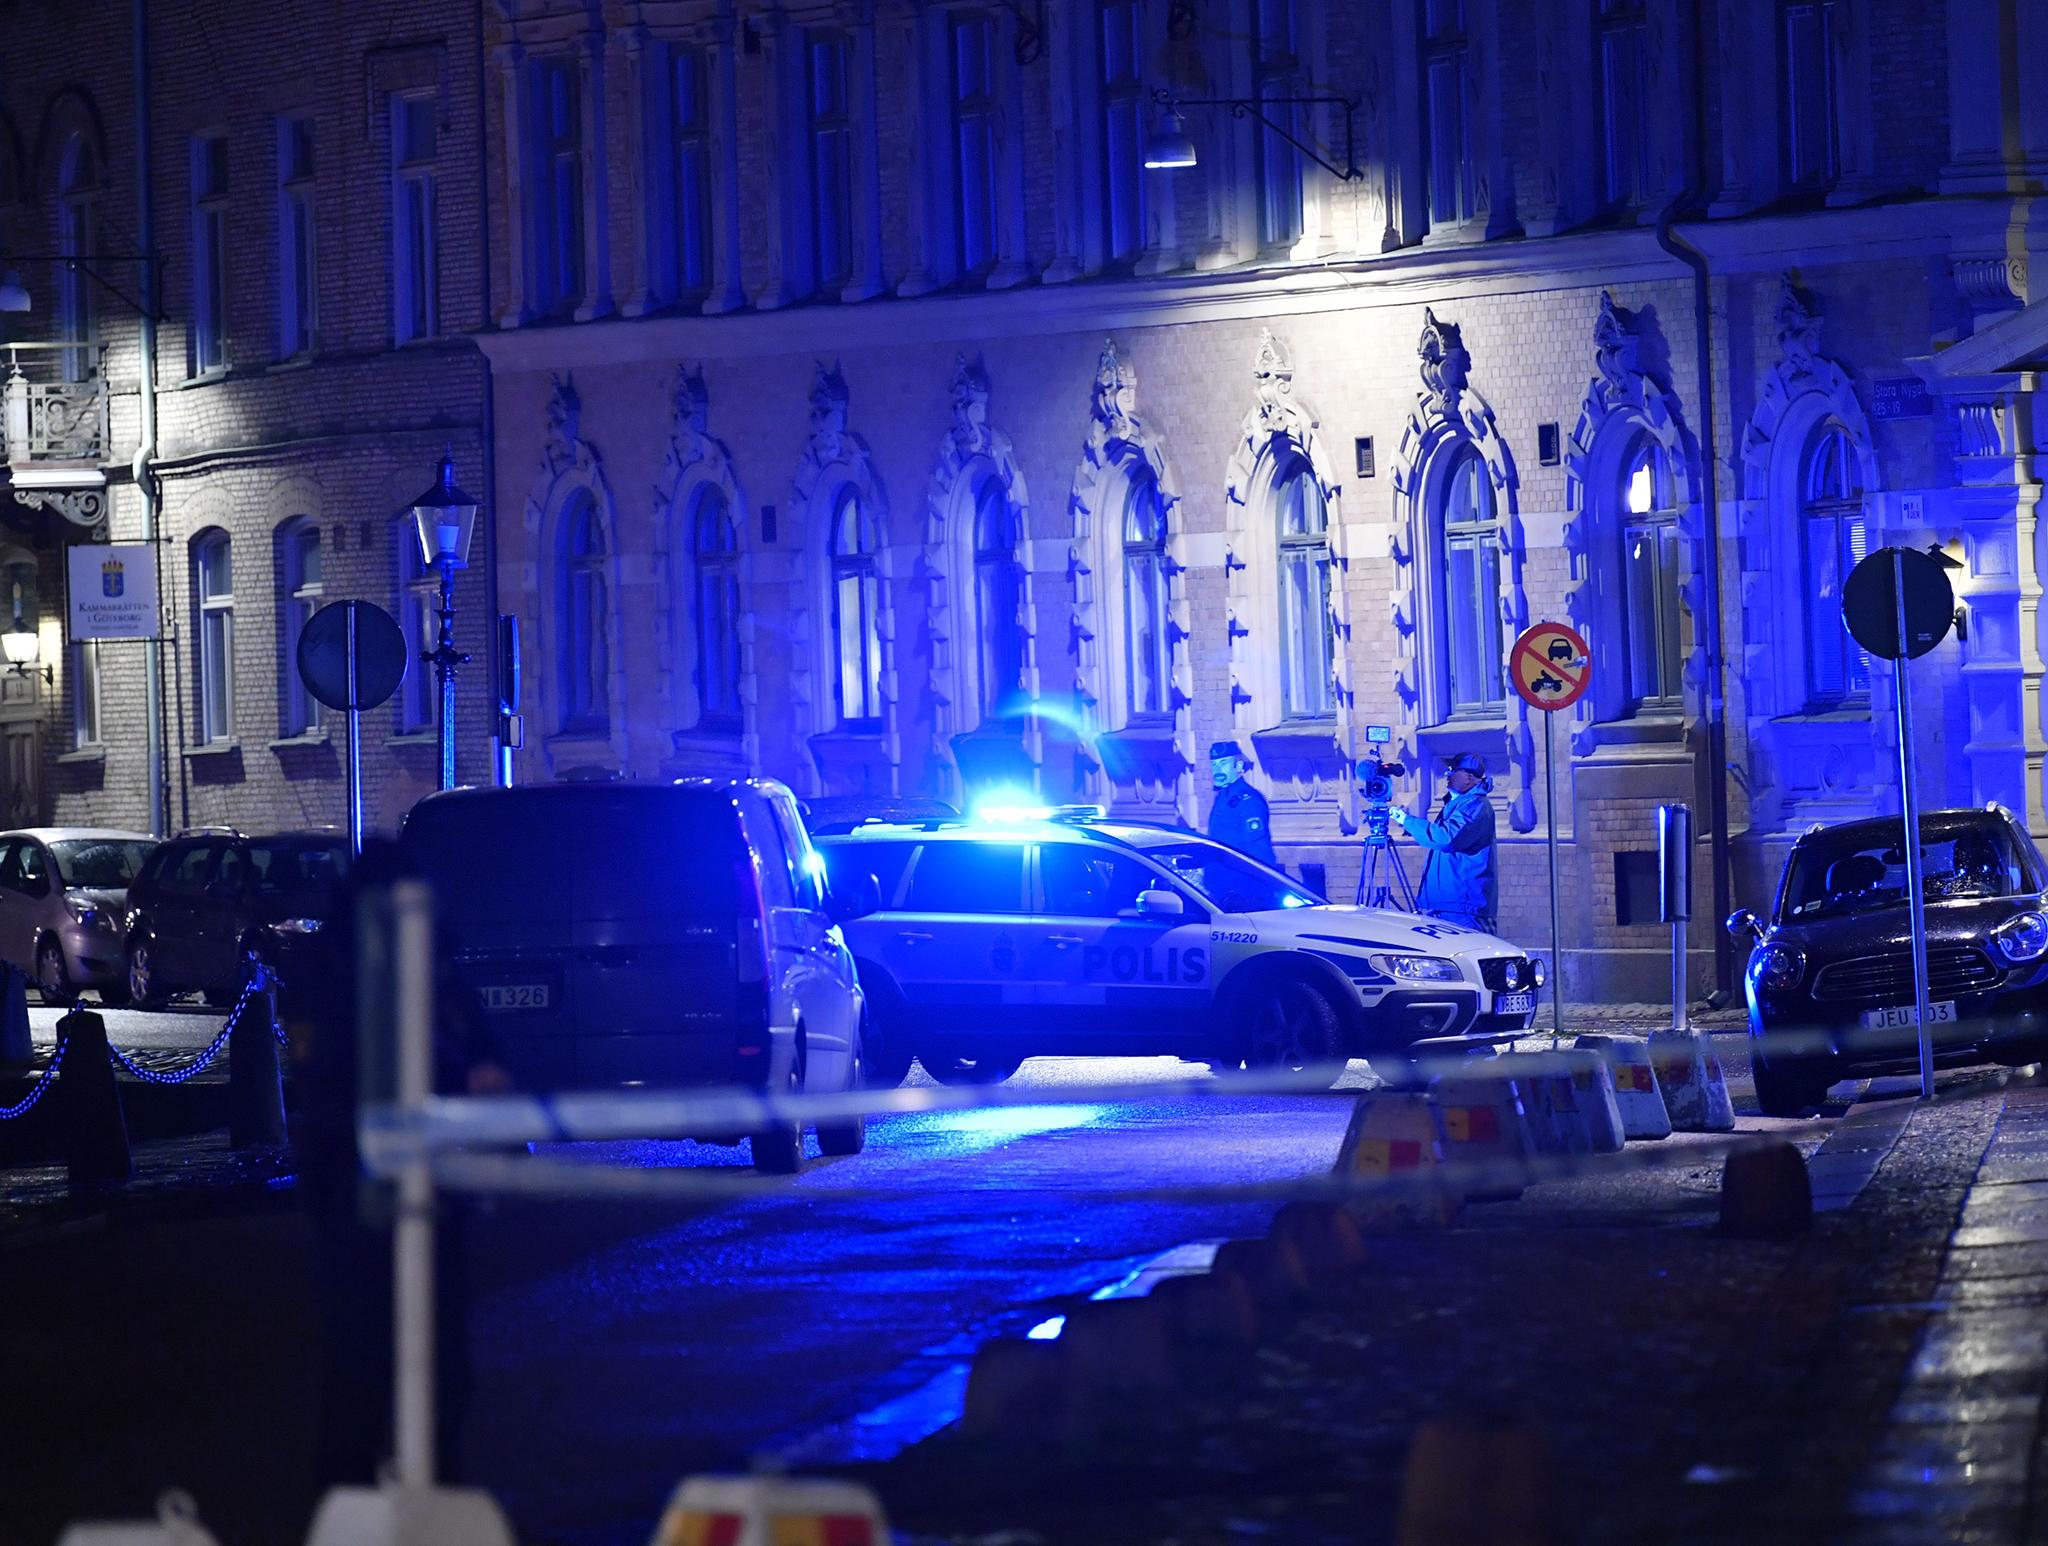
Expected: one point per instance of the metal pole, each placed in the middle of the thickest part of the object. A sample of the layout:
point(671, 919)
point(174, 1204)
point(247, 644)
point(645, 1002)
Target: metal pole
point(444, 670)
point(1550, 823)
point(413, 1242)
point(155, 730)
point(355, 740)
point(1909, 801)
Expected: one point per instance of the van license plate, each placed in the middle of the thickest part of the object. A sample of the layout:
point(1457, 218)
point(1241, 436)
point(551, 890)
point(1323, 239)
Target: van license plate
point(1514, 1003)
point(516, 995)
point(1893, 1016)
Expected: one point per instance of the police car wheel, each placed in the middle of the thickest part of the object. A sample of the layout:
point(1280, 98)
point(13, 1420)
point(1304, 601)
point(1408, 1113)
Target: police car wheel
point(957, 1070)
point(1292, 1024)
point(779, 1150)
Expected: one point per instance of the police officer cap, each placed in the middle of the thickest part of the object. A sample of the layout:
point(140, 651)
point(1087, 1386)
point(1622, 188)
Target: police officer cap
point(1226, 749)
point(1469, 762)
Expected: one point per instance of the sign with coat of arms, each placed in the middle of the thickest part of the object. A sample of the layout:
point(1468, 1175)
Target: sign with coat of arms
point(113, 591)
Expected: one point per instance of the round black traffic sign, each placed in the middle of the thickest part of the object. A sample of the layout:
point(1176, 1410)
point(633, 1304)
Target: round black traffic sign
point(379, 655)
point(1870, 605)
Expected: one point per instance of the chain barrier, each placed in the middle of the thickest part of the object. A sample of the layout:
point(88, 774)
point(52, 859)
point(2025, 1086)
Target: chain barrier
point(151, 1076)
point(27, 1103)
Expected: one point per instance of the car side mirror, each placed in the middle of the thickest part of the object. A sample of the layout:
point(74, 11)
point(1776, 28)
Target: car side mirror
point(856, 897)
point(1155, 902)
point(1742, 921)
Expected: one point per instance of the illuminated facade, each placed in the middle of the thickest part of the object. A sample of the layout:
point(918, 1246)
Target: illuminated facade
point(312, 220)
point(870, 416)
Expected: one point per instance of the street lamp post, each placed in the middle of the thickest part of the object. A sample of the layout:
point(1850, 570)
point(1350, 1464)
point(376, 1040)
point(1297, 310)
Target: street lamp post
point(445, 518)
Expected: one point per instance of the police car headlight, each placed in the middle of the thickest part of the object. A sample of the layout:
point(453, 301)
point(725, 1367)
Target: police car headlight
point(1537, 971)
point(1420, 968)
point(2023, 938)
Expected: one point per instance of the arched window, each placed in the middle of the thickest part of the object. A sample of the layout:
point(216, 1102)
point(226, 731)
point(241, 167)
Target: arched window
point(1148, 657)
point(299, 593)
point(1469, 523)
point(1833, 534)
point(213, 598)
point(582, 651)
point(714, 562)
point(998, 599)
point(1305, 623)
point(856, 625)
point(78, 185)
point(1649, 558)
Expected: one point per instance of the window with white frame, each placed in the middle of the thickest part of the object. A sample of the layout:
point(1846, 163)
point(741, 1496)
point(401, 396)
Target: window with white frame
point(582, 598)
point(1468, 526)
point(85, 693)
point(556, 206)
point(1447, 138)
point(1649, 561)
point(1148, 650)
point(974, 138)
point(299, 592)
point(213, 600)
point(714, 566)
point(1623, 33)
point(690, 170)
point(856, 619)
point(1808, 87)
point(1834, 535)
point(415, 217)
point(829, 126)
point(998, 599)
point(1276, 65)
point(297, 285)
point(1306, 626)
point(418, 592)
point(1123, 129)
point(209, 351)
point(78, 188)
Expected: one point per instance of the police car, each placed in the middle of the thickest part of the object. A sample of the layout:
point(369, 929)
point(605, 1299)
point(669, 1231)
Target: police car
point(1027, 933)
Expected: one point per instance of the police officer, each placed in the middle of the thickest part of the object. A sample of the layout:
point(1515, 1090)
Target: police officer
point(1239, 817)
point(1458, 881)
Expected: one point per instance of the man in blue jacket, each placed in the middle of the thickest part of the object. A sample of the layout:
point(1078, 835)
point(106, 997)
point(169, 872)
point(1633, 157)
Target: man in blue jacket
point(1458, 881)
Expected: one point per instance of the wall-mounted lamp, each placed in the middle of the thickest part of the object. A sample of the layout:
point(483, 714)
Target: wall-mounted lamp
point(14, 296)
point(1169, 145)
point(22, 647)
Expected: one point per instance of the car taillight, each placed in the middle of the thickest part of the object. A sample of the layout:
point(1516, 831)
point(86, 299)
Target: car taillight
point(752, 921)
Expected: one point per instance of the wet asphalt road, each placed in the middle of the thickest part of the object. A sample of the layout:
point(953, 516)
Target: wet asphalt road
point(615, 1347)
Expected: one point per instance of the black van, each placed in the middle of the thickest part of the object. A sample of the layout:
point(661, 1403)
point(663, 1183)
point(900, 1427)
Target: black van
point(647, 935)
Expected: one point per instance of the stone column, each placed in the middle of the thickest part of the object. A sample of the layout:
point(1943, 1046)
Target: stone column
point(510, 60)
point(646, 91)
point(728, 281)
point(597, 245)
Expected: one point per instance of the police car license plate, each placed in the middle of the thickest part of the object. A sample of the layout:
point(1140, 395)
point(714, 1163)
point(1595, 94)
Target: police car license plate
point(516, 995)
point(1895, 1015)
point(1514, 1003)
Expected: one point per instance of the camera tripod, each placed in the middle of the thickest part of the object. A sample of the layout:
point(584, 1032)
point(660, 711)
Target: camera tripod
point(1383, 877)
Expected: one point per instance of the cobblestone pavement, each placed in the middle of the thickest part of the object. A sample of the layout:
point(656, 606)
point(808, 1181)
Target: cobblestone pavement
point(1963, 1456)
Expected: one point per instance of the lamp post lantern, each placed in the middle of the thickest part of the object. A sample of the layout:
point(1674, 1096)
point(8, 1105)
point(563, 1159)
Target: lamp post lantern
point(445, 519)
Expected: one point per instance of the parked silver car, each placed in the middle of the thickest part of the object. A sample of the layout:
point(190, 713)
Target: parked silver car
point(64, 906)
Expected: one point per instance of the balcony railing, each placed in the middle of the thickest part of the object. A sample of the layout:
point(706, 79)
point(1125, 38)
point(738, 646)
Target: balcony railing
point(47, 416)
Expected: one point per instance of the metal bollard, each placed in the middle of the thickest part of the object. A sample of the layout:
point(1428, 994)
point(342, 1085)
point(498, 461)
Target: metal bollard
point(89, 1104)
point(17, 1046)
point(255, 1082)
point(1674, 900)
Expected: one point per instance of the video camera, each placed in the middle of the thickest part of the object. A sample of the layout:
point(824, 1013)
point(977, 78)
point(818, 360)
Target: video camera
point(1376, 778)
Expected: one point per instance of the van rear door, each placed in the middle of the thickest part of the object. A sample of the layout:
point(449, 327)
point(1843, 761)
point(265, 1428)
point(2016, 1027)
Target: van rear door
point(597, 928)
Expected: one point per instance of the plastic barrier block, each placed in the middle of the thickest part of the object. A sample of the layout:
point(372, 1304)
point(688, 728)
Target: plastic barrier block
point(1695, 1089)
point(1486, 1134)
point(1636, 1095)
point(1593, 1087)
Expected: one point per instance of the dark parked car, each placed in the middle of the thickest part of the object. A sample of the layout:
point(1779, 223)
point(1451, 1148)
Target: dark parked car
point(207, 904)
point(1830, 982)
point(664, 935)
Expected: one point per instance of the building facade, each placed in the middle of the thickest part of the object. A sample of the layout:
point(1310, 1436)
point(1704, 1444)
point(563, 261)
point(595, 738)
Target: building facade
point(245, 251)
point(869, 415)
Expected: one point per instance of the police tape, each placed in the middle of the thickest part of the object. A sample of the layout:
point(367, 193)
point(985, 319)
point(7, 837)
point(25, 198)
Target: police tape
point(392, 1142)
